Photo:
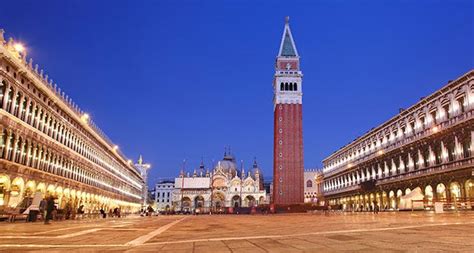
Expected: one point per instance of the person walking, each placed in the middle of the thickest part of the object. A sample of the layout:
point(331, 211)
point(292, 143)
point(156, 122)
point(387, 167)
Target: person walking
point(376, 207)
point(42, 208)
point(49, 210)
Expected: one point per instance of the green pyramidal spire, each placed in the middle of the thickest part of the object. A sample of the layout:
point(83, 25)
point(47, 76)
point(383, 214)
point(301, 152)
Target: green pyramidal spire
point(287, 47)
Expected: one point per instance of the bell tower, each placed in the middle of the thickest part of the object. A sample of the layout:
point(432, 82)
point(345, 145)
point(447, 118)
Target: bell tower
point(288, 165)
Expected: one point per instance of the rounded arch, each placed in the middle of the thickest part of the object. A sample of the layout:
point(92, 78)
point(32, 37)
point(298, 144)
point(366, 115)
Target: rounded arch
point(50, 191)
point(469, 186)
point(309, 183)
point(30, 188)
point(17, 188)
point(199, 201)
point(455, 191)
point(5, 182)
point(441, 191)
point(4, 188)
point(249, 201)
point(236, 201)
point(407, 191)
point(429, 194)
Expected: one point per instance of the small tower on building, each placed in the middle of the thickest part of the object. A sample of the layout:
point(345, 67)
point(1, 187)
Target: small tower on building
point(144, 167)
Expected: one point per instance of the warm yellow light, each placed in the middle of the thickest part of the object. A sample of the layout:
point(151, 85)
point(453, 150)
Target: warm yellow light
point(435, 129)
point(380, 152)
point(85, 117)
point(19, 47)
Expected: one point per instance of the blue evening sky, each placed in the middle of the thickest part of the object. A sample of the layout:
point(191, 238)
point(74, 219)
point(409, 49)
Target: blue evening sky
point(182, 79)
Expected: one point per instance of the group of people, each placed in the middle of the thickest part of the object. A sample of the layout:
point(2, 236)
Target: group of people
point(47, 207)
point(112, 213)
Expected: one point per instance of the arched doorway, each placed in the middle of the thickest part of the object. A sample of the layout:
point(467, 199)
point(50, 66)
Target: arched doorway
point(236, 201)
point(218, 200)
point(186, 204)
point(455, 191)
point(198, 203)
point(4, 189)
point(399, 195)
point(391, 197)
point(441, 192)
point(429, 194)
point(16, 192)
point(469, 186)
point(249, 201)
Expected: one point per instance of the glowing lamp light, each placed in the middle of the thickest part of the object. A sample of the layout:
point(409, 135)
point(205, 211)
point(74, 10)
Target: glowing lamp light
point(19, 47)
point(380, 152)
point(435, 129)
point(85, 117)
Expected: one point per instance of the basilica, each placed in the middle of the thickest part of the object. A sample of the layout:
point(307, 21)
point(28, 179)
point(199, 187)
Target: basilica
point(217, 190)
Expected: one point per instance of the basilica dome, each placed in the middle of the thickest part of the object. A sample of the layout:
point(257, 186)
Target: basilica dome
point(227, 165)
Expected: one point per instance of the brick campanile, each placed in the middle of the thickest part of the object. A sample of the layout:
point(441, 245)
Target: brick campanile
point(288, 165)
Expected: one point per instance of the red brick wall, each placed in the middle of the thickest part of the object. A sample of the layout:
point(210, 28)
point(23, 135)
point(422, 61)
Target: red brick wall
point(291, 161)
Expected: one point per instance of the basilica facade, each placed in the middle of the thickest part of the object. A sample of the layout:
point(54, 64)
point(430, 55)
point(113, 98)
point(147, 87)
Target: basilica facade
point(217, 190)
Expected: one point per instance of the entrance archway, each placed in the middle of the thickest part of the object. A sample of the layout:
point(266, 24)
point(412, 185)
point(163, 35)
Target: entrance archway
point(469, 186)
point(186, 204)
point(250, 201)
point(429, 194)
point(455, 191)
point(236, 201)
point(441, 192)
point(198, 202)
point(4, 189)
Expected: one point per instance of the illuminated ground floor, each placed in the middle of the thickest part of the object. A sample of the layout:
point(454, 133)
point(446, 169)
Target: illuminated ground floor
point(454, 189)
point(19, 185)
point(318, 232)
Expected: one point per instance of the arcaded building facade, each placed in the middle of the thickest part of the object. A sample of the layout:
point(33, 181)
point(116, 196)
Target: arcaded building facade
point(427, 148)
point(49, 146)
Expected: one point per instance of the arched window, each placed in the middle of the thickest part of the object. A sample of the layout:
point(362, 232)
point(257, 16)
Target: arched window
point(291, 86)
point(286, 86)
point(282, 86)
point(9, 99)
point(17, 104)
point(309, 183)
point(3, 86)
point(295, 88)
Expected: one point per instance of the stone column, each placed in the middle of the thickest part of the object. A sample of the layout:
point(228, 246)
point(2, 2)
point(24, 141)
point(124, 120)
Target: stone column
point(15, 145)
point(6, 95)
point(27, 157)
point(7, 143)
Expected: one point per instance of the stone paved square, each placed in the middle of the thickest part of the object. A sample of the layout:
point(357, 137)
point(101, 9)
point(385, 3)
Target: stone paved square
point(318, 232)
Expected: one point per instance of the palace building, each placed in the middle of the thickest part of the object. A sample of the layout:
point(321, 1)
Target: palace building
point(288, 164)
point(426, 149)
point(225, 186)
point(49, 146)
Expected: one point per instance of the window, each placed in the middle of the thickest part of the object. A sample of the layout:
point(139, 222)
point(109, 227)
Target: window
point(282, 86)
point(3, 86)
point(295, 88)
point(286, 86)
point(309, 184)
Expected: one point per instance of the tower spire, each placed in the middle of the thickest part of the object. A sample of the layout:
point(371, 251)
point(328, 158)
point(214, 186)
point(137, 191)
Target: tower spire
point(287, 45)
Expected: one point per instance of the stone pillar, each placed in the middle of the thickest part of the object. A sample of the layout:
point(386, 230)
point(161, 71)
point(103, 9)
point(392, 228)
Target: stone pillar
point(6, 95)
point(7, 143)
point(27, 157)
point(15, 145)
